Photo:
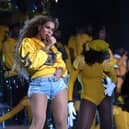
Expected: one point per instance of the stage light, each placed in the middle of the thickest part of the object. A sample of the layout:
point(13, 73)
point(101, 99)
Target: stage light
point(56, 1)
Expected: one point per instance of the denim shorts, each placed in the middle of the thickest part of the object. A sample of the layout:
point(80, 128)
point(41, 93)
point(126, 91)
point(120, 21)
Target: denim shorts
point(46, 86)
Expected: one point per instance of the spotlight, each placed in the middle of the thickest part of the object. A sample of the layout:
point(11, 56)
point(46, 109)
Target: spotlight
point(56, 1)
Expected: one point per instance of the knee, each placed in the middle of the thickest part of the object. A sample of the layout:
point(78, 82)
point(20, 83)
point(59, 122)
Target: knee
point(61, 123)
point(38, 121)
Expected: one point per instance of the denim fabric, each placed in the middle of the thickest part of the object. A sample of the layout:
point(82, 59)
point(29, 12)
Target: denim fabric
point(46, 86)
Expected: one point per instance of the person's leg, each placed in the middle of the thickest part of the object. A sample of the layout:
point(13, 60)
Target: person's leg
point(59, 109)
point(17, 127)
point(38, 106)
point(105, 112)
point(86, 114)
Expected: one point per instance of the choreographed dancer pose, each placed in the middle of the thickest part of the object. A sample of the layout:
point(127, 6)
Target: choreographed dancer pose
point(92, 68)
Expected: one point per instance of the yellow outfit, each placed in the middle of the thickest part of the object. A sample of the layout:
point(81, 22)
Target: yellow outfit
point(8, 54)
point(90, 77)
point(34, 58)
point(24, 103)
point(121, 118)
point(3, 31)
point(75, 44)
point(112, 60)
point(68, 61)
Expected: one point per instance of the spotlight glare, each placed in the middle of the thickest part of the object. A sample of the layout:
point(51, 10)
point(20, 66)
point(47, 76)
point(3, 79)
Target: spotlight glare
point(56, 1)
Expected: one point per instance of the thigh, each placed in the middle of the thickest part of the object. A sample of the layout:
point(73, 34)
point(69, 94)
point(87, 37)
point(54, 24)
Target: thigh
point(86, 114)
point(105, 112)
point(59, 106)
point(38, 105)
point(105, 108)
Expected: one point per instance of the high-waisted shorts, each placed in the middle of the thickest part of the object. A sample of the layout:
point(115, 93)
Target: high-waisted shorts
point(46, 86)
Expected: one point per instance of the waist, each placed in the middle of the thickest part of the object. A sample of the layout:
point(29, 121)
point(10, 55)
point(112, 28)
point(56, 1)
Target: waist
point(43, 73)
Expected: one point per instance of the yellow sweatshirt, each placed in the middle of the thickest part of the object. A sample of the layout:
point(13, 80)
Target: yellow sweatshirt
point(34, 58)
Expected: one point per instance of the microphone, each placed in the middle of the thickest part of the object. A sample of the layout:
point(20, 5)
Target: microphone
point(50, 39)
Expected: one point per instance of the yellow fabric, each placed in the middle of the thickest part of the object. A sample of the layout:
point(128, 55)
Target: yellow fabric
point(85, 38)
point(8, 53)
point(3, 30)
point(77, 105)
point(112, 60)
point(120, 99)
point(60, 44)
point(23, 103)
point(98, 45)
point(72, 46)
point(92, 87)
point(90, 77)
point(0, 46)
point(121, 118)
point(75, 44)
point(97, 127)
point(79, 61)
point(32, 49)
point(109, 71)
point(71, 81)
point(68, 61)
point(81, 39)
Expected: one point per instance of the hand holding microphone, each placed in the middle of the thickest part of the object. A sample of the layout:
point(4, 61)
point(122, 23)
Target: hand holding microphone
point(50, 39)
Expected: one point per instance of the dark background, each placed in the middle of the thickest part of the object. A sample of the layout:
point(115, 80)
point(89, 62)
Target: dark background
point(111, 13)
point(78, 13)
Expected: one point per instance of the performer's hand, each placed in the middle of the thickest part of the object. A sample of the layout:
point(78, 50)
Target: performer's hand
point(58, 73)
point(50, 40)
point(71, 114)
point(109, 86)
point(70, 121)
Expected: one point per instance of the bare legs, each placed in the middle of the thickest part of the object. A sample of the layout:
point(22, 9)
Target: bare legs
point(39, 107)
point(59, 108)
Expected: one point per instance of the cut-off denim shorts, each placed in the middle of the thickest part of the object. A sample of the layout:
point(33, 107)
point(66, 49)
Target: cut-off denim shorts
point(46, 86)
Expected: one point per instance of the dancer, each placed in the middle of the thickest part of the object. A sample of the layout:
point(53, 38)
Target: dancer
point(91, 69)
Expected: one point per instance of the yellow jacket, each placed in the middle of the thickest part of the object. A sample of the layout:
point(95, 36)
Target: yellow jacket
point(34, 58)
